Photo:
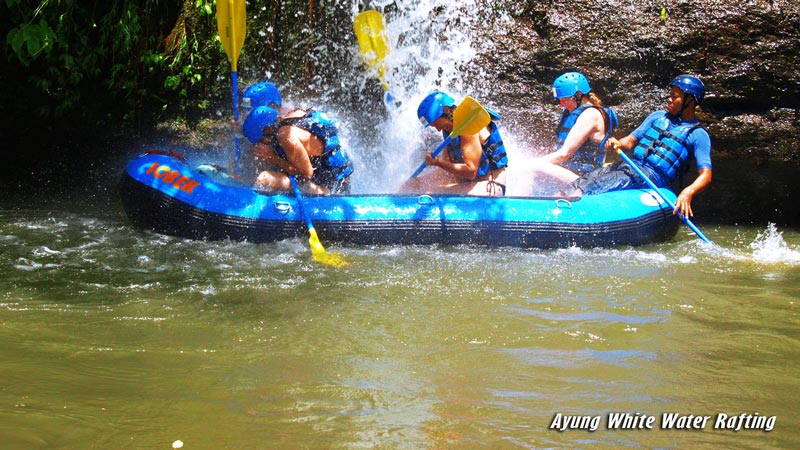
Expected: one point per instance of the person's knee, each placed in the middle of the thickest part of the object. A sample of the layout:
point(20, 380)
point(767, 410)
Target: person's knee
point(269, 181)
point(265, 179)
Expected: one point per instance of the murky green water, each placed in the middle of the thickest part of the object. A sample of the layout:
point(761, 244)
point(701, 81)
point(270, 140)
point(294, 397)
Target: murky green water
point(115, 338)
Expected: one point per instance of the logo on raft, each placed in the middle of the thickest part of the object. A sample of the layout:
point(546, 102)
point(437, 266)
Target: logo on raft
point(166, 174)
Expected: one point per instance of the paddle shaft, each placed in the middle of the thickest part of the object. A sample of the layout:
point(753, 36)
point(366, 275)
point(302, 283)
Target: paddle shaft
point(299, 196)
point(652, 185)
point(237, 143)
point(232, 30)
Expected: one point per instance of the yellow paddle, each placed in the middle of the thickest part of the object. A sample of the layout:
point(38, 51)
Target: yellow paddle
point(470, 117)
point(232, 29)
point(317, 249)
point(373, 43)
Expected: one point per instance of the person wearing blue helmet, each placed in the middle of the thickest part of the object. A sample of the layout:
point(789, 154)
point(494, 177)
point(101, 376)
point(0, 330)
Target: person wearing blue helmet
point(663, 146)
point(584, 128)
point(258, 94)
point(262, 93)
point(581, 136)
point(472, 164)
point(303, 144)
point(256, 121)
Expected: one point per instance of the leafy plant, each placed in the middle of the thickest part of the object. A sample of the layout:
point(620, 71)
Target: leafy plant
point(126, 58)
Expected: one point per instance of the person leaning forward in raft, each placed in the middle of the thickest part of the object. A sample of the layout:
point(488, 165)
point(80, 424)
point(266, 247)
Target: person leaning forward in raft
point(303, 144)
point(471, 164)
point(662, 147)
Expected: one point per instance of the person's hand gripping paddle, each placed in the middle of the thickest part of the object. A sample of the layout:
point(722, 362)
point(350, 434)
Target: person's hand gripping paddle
point(653, 186)
point(470, 117)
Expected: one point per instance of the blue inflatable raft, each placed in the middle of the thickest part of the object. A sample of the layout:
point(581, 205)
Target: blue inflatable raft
point(160, 192)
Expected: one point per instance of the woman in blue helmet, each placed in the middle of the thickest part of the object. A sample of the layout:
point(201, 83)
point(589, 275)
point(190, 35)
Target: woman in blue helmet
point(262, 93)
point(585, 125)
point(472, 164)
point(303, 144)
point(581, 136)
point(662, 147)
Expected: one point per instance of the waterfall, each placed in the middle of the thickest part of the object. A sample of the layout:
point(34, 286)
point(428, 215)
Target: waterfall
point(432, 46)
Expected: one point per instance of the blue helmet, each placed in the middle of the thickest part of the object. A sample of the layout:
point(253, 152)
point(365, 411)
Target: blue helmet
point(262, 94)
point(432, 107)
point(690, 85)
point(569, 84)
point(256, 121)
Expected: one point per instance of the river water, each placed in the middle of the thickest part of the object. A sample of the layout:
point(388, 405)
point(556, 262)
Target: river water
point(112, 337)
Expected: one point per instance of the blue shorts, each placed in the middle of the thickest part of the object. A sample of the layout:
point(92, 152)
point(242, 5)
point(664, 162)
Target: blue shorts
point(614, 177)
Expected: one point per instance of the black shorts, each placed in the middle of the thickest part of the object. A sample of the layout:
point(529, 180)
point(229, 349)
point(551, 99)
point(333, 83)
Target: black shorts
point(614, 177)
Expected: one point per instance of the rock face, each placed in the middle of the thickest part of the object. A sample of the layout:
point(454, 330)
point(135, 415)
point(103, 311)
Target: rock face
point(746, 52)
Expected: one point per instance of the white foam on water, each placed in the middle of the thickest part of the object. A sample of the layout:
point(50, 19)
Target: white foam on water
point(769, 247)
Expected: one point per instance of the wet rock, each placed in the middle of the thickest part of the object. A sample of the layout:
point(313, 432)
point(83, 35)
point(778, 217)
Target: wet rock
point(745, 52)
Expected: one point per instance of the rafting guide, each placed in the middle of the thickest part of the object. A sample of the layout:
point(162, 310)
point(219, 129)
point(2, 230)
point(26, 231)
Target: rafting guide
point(666, 421)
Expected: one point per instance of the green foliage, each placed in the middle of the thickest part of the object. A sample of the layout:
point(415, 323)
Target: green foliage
point(101, 59)
point(30, 39)
point(90, 62)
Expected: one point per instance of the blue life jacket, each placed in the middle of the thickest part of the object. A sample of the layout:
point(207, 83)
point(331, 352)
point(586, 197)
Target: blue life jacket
point(663, 147)
point(589, 156)
point(333, 165)
point(494, 152)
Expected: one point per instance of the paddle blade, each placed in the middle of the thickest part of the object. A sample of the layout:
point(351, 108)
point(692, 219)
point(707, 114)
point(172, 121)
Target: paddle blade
point(320, 255)
point(372, 41)
point(231, 28)
point(470, 117)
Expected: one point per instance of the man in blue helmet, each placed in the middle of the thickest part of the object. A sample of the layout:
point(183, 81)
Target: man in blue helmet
point(303, 144)
point(262, 93)
point(662, 147)
point(471, 164)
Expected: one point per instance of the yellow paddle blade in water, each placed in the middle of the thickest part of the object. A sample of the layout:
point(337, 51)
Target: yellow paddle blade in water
point(320, 255)
point(231, 27)
point(372, 41)
point(470, 117)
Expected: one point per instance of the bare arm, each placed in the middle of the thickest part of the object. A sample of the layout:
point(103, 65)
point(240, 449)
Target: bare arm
point(296, 153)
point(471, 150)
point(588, 123)
point(267, 154)
point(683, 205)
point(626, 143)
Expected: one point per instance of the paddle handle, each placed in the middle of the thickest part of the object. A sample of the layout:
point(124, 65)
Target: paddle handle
point(653, 186)
point(434, 154)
